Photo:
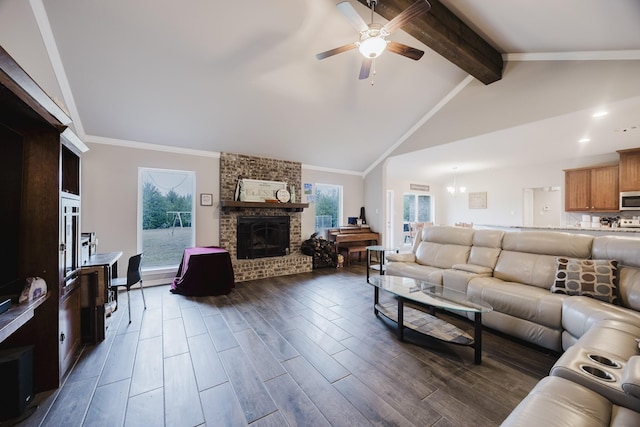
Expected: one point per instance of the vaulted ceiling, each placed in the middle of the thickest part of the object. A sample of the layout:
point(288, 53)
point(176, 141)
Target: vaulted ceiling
point(242, 77)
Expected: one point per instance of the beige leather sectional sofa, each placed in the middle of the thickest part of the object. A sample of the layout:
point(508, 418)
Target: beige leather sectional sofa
point(526, 276)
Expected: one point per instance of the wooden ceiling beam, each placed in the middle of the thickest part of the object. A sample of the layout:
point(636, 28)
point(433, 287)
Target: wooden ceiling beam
point(447, 35)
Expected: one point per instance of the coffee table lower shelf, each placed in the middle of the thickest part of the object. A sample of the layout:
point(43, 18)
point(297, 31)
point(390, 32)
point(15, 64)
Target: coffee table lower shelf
point(427, 324)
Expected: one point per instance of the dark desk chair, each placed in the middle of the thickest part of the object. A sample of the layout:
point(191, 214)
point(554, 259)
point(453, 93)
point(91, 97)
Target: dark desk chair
point(134, 275)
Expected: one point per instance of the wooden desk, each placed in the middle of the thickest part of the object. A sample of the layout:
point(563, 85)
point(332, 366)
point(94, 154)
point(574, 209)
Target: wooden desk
point(107, 264)
point(104, 259)
point(97, 301)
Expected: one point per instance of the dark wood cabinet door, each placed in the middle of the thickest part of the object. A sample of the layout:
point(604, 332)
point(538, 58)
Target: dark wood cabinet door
point(69, 329)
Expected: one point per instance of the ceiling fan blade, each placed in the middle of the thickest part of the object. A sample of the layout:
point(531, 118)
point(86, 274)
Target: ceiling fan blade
point(417, 8)
point(404, 50)
point(352, 16)
point(365, 69)
point(336, 51)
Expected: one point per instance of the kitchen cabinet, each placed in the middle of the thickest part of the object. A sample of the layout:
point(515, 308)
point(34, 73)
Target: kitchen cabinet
point(593, 189)
point(629, 169)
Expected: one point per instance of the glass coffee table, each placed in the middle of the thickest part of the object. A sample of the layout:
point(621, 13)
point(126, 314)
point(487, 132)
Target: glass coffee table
point(421, 295)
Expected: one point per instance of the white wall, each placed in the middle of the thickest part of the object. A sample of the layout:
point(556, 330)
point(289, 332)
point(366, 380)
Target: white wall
point(20, 37)
point(547, 207)
point(353, 195)
point(110, 194)
point(504, 190)
point(374, 199)
point(505, 196)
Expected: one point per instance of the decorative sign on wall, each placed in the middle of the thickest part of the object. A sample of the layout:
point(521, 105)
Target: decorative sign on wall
point(256, 190)
point(419, 187)
point(478, 200)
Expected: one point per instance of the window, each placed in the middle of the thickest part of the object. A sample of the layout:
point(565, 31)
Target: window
point(166, 222)
point(416, 208)
point(328, 207)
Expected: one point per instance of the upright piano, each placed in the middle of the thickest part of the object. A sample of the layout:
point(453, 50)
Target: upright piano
point(353, 240)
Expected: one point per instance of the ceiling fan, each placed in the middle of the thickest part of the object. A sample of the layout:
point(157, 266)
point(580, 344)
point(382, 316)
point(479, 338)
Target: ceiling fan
point(373, 36)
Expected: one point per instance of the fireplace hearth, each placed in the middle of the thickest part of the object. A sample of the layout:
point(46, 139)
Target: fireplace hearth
point(262, 236)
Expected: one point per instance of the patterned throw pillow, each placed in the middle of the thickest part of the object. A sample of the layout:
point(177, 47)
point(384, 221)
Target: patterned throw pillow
point(594, 278)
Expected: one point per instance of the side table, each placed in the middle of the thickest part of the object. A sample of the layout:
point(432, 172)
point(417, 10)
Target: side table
point(380, 251)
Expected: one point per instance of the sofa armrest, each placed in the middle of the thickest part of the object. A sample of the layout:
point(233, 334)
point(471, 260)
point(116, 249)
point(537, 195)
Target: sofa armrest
point(473, 268)
point(459, 279)
point(631, 377)
point(401, 257)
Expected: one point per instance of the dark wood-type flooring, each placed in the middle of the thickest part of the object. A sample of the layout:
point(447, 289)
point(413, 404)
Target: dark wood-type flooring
point(301, 350)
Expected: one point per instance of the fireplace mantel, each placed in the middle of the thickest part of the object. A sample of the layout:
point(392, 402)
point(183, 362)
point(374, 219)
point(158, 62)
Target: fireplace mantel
point(227, 205)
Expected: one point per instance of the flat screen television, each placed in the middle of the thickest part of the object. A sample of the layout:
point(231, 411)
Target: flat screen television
point(11, 169)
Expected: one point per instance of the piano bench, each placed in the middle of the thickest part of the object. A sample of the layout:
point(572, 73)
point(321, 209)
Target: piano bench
point(350, 249)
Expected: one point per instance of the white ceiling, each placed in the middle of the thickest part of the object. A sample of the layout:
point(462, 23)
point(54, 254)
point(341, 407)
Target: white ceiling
point(242, 77)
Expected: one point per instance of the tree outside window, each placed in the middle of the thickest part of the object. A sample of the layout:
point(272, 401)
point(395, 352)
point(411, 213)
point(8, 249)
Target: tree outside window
point(167, 217)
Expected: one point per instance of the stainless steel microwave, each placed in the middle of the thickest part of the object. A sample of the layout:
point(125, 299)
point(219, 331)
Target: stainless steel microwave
point(630, 201)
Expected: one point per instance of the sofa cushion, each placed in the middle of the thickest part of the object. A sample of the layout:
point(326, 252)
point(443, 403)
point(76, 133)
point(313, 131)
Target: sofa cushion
point(595, 278)
point(629, 287)
point(441, 255)
point(473, 268)
point(448, 235)
point(549, 242)
point(529, 257)
point(555, 401)
point(415, 271)
point(579, 314)
point(486, 248)
point(624, 249)
point(526, 268)
point(443, 246)
point(401, 257)
point(518, 300)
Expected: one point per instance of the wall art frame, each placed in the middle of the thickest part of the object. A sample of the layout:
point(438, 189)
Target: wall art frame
point(206, 199)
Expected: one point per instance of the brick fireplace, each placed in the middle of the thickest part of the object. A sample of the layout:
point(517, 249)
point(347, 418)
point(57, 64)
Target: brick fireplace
point(233, 166)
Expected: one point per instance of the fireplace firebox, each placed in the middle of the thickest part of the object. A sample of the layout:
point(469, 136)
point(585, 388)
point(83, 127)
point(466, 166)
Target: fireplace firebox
point(262, 236)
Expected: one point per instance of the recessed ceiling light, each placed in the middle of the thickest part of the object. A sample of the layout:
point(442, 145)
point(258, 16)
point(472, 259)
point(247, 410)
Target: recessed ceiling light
point(583, 140)
point(600, 114)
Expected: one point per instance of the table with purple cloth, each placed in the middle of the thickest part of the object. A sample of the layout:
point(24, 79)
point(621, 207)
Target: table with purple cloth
point(204, 271)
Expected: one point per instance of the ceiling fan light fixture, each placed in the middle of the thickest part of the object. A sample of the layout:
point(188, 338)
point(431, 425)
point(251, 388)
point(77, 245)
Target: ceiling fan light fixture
point(372, 47)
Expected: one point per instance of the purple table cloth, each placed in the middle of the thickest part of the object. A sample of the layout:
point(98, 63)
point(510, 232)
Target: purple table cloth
point(204, 271)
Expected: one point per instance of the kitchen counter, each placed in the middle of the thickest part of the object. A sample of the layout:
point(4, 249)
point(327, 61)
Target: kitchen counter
point(592, 231)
